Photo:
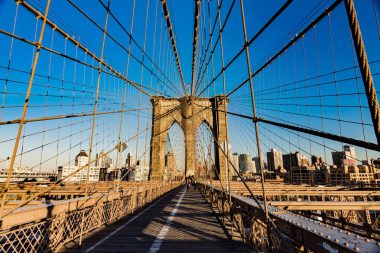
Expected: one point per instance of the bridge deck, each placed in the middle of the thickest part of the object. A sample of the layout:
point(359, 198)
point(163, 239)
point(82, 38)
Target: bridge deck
point(181, 221)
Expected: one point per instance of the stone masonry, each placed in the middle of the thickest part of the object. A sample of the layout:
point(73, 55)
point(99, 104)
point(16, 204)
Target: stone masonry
point(189, 112)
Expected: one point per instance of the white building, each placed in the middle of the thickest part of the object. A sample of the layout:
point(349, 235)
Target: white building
point(254, 170)
point(80, 175)
point(141, 173)
point(81, 161)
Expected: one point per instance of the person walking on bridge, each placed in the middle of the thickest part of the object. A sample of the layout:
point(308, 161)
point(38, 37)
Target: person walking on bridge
point(188, 182)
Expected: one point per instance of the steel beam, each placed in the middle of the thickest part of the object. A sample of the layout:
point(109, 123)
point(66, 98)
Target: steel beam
point(327, 205)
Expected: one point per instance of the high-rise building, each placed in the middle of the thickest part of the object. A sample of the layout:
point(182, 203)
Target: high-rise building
point(103, 160)
point(257, 164)
point(294, 160)
point(245, 163)
point(345, 157)
point(373, 164)
point(170, 164)
point(254, 170)
point(274, 160)
point(235, 162)
point(130, 162)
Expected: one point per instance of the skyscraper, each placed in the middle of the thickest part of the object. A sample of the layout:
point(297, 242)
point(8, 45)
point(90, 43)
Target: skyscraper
point(345, 157)
point(235, 162)
point(257, 163)
point(245, 163)
point(274, 159)
point(254, 166)
point(294, 160)
point(170, 164)
point(130, 163)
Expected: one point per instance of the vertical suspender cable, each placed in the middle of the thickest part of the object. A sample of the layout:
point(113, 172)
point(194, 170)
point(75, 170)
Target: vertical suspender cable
point(224, 102)
point(94, 115)
point(46, 98)
point(172, 40)
point(9, 61)
point(255, 116)
point(25, 107)
point(124, 95)
point(142, 76)
point(151, 76)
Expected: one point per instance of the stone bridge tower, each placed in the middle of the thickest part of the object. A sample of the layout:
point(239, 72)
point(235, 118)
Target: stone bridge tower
point(189, 112)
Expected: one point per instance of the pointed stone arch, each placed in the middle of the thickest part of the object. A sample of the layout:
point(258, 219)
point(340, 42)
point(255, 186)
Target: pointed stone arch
point(204, 167)
point(189, 112)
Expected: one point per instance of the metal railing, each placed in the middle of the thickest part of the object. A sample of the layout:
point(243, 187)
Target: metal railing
point(289, 233)
point(48, 227)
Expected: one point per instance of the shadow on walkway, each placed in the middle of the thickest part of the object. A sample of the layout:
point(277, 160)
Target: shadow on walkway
point(194, 228)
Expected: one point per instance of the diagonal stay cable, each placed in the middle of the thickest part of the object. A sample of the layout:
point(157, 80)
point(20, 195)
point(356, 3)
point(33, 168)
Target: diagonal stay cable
point(137, 44)
point(209, 43)
point(311, 131)
point(290, 43)
point(218, 39)
point(52, 186)
point(254, 37)
point(82, 47)
point(127, 50)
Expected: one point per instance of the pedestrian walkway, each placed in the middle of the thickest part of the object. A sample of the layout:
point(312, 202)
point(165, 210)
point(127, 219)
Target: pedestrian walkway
point(180, 221)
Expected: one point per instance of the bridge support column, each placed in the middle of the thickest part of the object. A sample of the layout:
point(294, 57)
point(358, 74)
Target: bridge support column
point(157, 149)
point(189, 112)
point(190, 132)
point(219, 104)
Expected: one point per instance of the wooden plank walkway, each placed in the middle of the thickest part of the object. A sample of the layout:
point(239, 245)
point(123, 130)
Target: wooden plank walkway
point(180, 221)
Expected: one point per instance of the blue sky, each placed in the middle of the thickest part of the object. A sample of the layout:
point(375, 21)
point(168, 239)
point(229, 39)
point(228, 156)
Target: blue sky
point(278, 88)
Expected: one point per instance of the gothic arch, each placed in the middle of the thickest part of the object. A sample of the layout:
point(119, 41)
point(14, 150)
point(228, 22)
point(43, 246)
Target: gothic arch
point(205, 136)
point(172, 123)
point(189, 112)
point(205, 121)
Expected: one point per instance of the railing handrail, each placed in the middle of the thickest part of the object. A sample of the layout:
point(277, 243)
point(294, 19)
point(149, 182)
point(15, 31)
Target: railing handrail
point(39, 212)
point(327, 235)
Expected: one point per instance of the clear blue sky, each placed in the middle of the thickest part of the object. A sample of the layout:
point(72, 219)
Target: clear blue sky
point(278, 93)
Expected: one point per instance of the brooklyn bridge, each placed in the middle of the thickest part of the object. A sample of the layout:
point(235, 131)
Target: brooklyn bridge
point(189, 126)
